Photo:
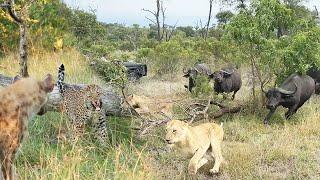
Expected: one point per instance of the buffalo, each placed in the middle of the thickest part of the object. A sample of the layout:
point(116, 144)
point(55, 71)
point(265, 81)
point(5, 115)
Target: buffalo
point(291, 94)
point(227, 80)
point(192, 73)
point(315, 74)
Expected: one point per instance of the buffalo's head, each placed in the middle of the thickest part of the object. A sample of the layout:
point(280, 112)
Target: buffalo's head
point(191, 72)
point(277, 95)
point(218, 76)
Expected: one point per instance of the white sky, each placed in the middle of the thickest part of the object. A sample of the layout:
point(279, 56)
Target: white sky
point(182, 12)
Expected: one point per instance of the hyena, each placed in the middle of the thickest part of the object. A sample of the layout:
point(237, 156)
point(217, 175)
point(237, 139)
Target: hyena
point(19, 101)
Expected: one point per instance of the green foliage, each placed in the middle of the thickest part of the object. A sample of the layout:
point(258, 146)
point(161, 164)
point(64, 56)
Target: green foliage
point(188, 30)
point(167, 56)
point(113, 72)
point(51, 23)
point(144, 52)
point(203, 87)
point(271, 35)
point(301, 52)
point(224, 17)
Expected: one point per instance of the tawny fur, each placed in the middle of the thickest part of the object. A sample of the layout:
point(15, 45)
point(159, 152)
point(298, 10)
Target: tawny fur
point(19, 102)
point(146, 105)
point(202, 143)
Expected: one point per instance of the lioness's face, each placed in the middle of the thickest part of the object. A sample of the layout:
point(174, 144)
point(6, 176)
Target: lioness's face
point(176, 131)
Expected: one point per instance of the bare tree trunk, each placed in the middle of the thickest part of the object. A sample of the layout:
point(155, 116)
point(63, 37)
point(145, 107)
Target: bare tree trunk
point(23, 39)
point(158, 19)
point(23, 51)
point(202, 30)
point(253, 78)
point(163, 11)
point(162, 32)
point(209, 19)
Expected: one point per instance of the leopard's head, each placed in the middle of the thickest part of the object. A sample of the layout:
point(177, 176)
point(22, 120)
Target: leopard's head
point(93, 99)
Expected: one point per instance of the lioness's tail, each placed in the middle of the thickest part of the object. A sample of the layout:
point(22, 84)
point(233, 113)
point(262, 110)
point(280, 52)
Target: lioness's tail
point(60, 81)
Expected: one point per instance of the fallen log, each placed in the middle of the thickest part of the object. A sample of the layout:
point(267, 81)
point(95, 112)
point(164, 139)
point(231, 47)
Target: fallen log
point(225, 110)
point(110, 99)
point(202, 109)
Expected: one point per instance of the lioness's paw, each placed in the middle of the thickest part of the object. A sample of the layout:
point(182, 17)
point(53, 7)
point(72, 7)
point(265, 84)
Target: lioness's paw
point(214, 170)
point(192, 170)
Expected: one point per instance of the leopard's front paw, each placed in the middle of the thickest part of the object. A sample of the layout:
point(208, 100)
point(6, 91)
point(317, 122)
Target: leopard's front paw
point(214, 170)
point(192, 169)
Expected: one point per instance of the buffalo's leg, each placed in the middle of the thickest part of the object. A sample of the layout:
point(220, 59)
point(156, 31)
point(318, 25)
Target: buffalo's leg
point(266, 120)
point(224, 96)
point(291, 111)
point(234, 94)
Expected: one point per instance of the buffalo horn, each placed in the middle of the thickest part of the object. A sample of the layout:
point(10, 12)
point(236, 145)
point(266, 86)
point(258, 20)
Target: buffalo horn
point(286, 92)
point(226, 72)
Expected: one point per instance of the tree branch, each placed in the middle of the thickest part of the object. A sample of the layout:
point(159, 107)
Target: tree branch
point(12, 12)
point(147, 10)
point(209, 18)
point(150, 20)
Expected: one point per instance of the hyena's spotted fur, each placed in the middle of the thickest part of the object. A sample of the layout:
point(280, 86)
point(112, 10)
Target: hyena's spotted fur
point(19, 102)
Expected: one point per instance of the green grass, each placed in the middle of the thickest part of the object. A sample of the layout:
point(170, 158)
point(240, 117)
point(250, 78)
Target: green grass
point(284, 150)
point(42, 156)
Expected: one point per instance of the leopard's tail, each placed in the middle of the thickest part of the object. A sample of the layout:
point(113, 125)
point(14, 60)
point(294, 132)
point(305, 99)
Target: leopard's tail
point(60, 81)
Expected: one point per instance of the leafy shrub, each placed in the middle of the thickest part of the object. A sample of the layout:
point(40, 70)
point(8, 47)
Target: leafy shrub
point(203, 87)
point(101, 50)
point(300, 52)
point(144, 52)
point(166, 57)
point(113, 72)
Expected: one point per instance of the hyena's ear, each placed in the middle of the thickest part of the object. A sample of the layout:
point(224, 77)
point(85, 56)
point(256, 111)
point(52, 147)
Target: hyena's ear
point(16, 78)
point(48, 83)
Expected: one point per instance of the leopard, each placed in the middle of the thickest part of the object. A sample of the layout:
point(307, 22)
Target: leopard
point(84, 107)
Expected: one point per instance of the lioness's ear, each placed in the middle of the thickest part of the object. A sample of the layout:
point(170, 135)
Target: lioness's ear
point(185, 123)
point(168, 123)
point(130, 97)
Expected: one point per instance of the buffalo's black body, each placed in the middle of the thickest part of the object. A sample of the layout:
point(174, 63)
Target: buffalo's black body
point(292, 94)
point(192, 73)
point(227, 80)
point(315, 74)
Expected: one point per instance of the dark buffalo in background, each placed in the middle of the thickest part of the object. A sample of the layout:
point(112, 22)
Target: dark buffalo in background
point(227, 80)
point(192, 73)
point(315, 74)
point(135, 70)
point(291, 94)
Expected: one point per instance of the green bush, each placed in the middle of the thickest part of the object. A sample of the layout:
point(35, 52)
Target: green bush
point(144, 52)
point(113, 72)
point(203, 87)
point(167, 56)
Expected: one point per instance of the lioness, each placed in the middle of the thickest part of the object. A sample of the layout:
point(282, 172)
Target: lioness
point(196, 142)
point(147, 105)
